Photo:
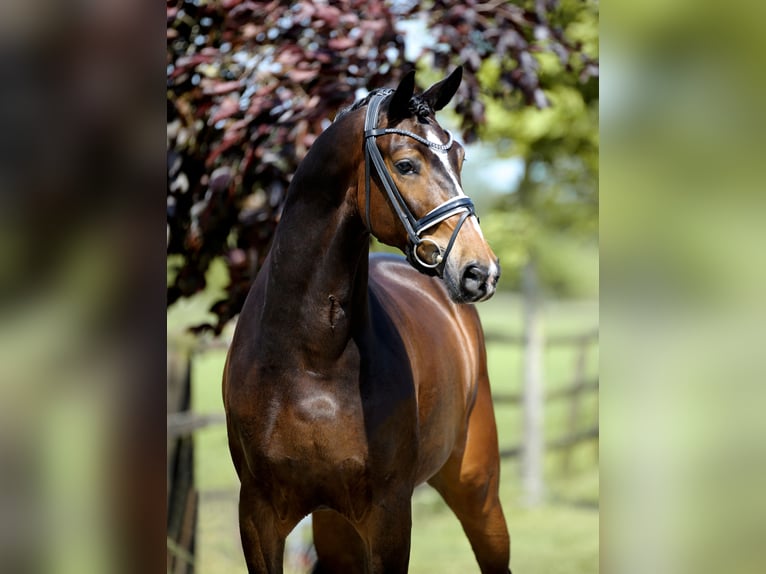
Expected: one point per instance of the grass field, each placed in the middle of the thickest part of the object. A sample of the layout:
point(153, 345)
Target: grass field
point(559, 537)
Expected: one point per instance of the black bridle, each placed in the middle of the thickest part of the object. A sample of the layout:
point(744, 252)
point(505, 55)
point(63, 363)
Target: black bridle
point(412, 225)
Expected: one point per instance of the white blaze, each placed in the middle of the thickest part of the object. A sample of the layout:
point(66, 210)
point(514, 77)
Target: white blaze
point(444, 158)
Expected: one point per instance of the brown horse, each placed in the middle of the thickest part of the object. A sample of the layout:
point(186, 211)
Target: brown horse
point(351, 379)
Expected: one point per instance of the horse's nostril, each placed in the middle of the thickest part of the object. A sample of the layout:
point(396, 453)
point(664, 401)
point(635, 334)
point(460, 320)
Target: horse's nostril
point(474, 280)
point(473, 273)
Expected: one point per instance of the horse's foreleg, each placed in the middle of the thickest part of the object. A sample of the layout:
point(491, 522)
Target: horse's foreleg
point(386, 531)
point(338, 546)
point(262, 540)
point(469, 484)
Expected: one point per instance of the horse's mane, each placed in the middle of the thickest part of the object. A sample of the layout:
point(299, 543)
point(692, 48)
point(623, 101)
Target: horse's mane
point(418, 106)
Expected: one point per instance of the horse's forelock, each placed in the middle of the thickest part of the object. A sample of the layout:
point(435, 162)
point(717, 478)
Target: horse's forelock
point(420, 108)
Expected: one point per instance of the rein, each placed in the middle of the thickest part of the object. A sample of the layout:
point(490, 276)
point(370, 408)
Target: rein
point(412, 225)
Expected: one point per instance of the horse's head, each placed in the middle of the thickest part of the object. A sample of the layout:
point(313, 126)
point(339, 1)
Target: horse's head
point(410, 193)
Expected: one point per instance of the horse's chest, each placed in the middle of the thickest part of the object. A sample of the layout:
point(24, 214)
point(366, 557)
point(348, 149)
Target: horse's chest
point(310, 449)
point(316, 425)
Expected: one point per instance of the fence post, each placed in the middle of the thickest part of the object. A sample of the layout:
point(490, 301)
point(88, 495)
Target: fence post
point(534, 440)
point(182, 495)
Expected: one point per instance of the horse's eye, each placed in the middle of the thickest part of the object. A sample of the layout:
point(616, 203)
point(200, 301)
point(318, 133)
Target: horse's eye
point(405, 167)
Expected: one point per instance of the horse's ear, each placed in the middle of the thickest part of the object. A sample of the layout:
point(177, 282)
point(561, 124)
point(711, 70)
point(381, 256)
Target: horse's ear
point(441, 93)
point(400, 102)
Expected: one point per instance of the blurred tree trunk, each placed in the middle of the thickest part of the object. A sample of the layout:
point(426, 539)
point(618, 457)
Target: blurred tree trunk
point(533, 451)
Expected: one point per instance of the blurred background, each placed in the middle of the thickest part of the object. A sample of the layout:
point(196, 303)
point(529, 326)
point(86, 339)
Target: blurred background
point(250, 86)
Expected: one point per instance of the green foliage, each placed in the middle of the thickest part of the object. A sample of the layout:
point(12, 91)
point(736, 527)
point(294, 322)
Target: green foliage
point(567, 262)
point(557, 197)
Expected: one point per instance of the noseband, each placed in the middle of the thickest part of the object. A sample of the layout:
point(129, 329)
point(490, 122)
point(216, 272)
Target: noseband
point(412, 225)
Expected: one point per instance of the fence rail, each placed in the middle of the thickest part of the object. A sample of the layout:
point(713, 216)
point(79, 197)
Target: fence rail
point(562, 443)
point(186, 422)
point(590, 336)
point(564, 392)
point(573, 392)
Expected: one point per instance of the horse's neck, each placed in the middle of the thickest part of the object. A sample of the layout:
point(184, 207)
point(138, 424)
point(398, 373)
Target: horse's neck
point(316, 292)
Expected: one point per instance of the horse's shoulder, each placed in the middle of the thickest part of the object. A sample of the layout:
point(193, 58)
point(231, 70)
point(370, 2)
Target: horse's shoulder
point(392, 275)
point(402, 289)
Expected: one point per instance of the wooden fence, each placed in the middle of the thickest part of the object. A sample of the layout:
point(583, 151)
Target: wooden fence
point(573, 392)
